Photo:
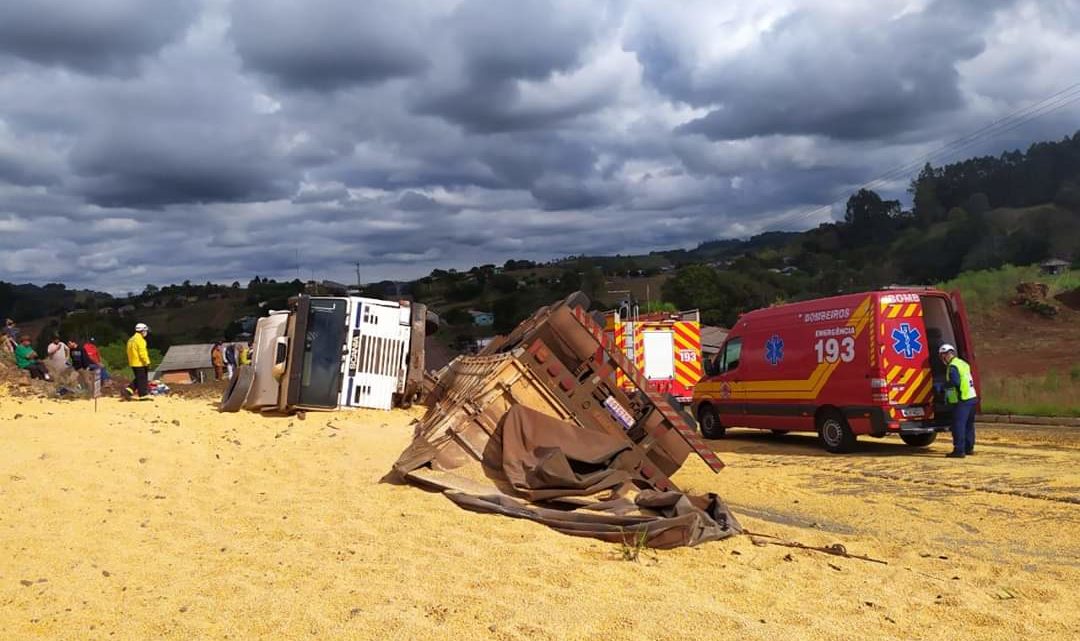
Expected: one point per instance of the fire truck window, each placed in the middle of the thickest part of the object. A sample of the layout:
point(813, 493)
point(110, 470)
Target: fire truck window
point(732, 350)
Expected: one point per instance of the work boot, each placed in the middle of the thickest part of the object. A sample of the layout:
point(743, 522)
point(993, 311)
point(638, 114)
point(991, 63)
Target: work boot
point(955, 455)
point(969, 453)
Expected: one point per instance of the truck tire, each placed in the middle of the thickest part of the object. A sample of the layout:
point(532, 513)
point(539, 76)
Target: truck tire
point(709, 423)
point(835, 433)
point(237, 391)
point(919, 440)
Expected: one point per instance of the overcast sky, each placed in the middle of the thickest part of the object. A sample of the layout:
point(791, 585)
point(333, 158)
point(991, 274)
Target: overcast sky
point(153, 142)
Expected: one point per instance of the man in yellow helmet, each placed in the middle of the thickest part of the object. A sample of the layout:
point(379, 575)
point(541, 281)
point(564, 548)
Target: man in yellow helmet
point(139, 360)
point(961, 394)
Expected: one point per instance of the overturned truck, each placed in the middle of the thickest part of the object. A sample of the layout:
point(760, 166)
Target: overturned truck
point(326, 353)
point(536, 427)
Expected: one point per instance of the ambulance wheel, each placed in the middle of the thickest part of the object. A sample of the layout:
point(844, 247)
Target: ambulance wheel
point(835, 433)
point(709, 423)
point(919, 440)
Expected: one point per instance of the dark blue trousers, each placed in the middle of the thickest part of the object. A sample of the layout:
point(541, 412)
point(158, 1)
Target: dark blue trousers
point(963, 427)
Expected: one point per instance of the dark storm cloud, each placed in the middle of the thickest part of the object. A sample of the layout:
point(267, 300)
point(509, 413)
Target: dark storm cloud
point(324, 44)
point(815, 72)
point(504, 44)
point(220, 139)
point(125, 168)
point(524, 39)
point(90, 35)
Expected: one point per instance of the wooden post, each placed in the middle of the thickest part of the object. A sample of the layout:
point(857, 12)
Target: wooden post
point(96, 387)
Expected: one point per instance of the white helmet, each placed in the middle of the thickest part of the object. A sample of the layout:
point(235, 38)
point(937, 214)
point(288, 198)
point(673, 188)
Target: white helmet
point(142, 327)
point(945, 348)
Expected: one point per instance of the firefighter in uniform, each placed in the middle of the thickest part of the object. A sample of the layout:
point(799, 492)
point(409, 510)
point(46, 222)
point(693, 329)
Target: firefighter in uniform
point(961, 394)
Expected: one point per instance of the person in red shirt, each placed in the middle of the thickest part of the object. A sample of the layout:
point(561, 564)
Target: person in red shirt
point(93, 357)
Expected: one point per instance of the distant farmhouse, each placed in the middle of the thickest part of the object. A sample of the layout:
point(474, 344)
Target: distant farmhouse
point(1053, 266)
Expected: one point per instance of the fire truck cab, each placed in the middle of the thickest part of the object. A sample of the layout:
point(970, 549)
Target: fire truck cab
point(845, 366)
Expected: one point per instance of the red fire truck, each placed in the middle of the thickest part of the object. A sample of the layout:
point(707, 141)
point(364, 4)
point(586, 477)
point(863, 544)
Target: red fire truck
point(665, 346)
point(842, 366)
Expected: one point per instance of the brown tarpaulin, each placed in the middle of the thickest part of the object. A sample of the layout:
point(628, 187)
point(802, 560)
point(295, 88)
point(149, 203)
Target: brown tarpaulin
point(578, 482)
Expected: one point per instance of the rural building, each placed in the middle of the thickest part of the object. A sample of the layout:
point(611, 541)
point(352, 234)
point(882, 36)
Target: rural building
point(1053, 266)
point(185, 364)
point(712, 339)
point(482, 319)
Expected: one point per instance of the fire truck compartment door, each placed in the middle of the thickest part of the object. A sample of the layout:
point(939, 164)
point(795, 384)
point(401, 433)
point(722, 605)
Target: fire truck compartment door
point(659, 355)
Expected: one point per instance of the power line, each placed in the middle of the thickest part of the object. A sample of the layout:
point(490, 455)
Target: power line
point(1005, 124)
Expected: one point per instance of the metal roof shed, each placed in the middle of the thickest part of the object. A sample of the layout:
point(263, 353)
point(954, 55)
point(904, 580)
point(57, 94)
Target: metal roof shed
point(192, 360)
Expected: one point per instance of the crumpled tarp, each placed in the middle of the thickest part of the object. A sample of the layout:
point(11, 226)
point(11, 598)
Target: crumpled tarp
point(579, 482)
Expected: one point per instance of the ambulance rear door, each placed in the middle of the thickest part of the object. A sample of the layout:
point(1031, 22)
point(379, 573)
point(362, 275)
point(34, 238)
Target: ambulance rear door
point(964, 341)
point(906, 347)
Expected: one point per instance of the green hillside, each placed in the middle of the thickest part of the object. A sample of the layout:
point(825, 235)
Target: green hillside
point(968, 220)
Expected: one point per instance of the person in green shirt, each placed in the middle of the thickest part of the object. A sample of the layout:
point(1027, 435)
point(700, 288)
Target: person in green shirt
point(26, 358)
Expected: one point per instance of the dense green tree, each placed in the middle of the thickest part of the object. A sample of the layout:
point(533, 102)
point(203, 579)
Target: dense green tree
point(457, 316)
point(869, 219)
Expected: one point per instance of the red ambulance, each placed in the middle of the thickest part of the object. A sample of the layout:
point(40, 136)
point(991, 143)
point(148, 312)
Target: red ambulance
point(842, 367)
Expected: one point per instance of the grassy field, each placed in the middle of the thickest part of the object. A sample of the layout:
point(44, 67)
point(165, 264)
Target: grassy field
point(1026, 365)
point(986, 289)
point(115, 357)
point(1054, 394)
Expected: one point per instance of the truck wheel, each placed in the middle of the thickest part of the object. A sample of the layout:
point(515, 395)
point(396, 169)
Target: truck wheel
point(919, 440)
point(835, 433)
point(709, 422)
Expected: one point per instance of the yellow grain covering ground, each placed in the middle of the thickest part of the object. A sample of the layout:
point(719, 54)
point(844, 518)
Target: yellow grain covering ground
point(167, 520)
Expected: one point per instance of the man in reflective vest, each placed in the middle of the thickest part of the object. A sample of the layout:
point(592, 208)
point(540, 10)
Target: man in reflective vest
point(960, 393)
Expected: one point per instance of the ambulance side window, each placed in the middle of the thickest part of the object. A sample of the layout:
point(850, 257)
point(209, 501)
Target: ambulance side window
point(732, 350)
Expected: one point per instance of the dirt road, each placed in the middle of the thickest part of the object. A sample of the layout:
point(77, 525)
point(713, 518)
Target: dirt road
point(167, 520)
point(1019, 492)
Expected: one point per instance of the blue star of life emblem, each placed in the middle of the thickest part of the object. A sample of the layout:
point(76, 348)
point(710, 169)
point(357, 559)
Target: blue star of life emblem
point(907, 341)
point(774, 349)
